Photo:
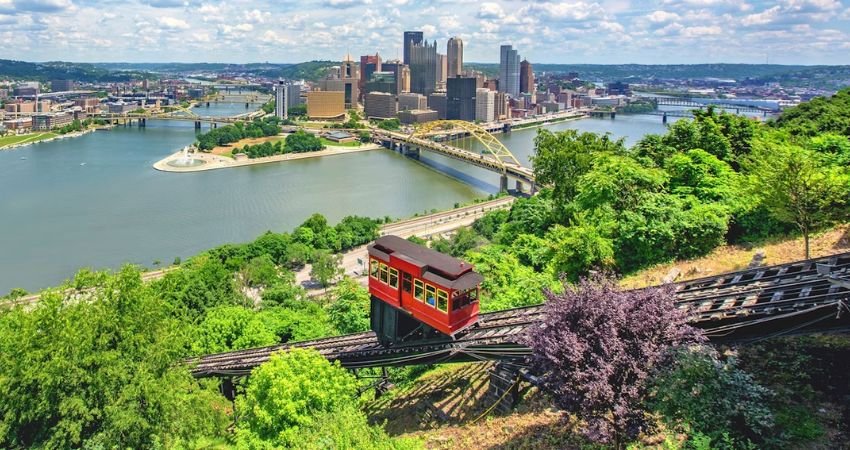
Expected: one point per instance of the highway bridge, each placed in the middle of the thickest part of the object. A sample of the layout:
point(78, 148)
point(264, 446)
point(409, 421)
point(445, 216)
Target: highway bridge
point(496, 157)
point(738, 105)
point(810, 296)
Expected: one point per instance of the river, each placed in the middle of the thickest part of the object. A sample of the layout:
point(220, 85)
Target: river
point(95, 201)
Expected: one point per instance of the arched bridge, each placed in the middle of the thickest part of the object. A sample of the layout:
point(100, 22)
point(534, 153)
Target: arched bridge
point(437, 137)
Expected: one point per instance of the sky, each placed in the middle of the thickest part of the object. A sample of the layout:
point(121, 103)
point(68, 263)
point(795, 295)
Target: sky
point(566, 32)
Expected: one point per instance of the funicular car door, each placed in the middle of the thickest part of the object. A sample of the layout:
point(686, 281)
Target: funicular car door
point(406, 291)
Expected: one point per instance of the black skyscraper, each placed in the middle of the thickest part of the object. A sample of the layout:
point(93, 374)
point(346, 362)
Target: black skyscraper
point(423, 68)
point(460, 98)
point(411, 38)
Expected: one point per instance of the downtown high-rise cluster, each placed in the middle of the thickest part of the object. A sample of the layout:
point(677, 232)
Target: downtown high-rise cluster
point(425, 85)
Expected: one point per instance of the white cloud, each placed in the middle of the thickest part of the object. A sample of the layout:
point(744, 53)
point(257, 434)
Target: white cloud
point(702, 31)
point(172, 23)
point(257, 16)
point(662, 17)
point(762, 18)
point(490, 10)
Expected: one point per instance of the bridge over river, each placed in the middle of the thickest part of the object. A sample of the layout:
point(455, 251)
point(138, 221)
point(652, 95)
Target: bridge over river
point(496, 157)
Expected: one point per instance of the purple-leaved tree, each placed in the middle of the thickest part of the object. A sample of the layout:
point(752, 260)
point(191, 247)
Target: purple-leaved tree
point(596, 347)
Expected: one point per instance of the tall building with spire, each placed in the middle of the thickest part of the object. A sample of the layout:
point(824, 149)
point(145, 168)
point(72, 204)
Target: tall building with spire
point(454, 55)
point(411, 38)
point(346, 78)
point(526, 78)
point(509, 71)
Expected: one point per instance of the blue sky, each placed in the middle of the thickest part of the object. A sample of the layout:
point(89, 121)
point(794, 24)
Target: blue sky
point(603, 31)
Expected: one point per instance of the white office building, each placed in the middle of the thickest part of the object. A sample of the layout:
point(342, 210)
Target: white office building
point(281, 105)
point(485, 105)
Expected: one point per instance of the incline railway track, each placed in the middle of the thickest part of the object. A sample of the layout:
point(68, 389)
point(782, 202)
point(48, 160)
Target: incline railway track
point(800, 297)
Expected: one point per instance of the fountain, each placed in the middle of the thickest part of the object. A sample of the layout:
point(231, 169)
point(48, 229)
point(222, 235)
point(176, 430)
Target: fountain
point(185, 160)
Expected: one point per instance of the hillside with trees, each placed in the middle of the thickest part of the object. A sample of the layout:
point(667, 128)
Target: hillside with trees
point(99, 361)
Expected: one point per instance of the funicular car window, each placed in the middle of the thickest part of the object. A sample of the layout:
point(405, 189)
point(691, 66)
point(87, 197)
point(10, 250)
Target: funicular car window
point(430, 295)
point(442, 301)
point(418, 290)
point(385, 273)
point(459, 301)
point(393, 278)
point(373, 269)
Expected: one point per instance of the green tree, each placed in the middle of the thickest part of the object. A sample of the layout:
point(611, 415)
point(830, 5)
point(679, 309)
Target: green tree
point(349, 307)
point(231, 328)
point(101, 370)
point(560, 159)
point(797, 187)
point(507, 283)
point(301, 141)
point(261, 271)
point(326, 267)
point(578, 249)
point(286, 394)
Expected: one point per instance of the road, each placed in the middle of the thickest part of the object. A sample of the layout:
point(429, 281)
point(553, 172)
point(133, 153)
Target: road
point(423, 226)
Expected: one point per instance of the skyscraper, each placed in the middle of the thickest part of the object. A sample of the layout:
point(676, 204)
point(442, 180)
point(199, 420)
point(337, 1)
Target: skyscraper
point(485, 105)
point(369, 64)
point(526, 78)
point(411, 38)
point(281, 105)
point(442, 72)
point(509, 71)
point(401, 72)
point(460, 98)
point(423, 68)
point(454, 55)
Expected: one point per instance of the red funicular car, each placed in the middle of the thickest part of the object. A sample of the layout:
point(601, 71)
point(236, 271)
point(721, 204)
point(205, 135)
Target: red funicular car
point(418, 293)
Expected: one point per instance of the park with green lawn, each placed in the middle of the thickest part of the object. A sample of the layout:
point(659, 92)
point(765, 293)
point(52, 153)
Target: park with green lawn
point(7, 141)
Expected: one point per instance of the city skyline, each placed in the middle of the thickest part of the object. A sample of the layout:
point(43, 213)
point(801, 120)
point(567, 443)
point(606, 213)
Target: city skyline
point(607, 31)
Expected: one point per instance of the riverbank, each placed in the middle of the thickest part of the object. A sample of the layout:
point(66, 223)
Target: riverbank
point(549, 121)
point(46, 136)
point(213, 162)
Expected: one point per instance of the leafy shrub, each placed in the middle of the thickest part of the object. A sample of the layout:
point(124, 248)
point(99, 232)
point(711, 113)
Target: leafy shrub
point(713, 397)
point(596, 347)
point(285, 395)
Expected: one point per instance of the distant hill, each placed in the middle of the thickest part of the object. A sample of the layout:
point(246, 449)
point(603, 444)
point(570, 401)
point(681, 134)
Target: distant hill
point(824, 77)
point(311, 70)
point(57, 70)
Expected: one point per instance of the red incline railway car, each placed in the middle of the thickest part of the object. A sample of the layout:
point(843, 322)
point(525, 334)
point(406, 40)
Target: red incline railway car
point(418, 293)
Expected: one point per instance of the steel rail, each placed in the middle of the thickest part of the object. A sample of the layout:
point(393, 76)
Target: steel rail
point(733, 306)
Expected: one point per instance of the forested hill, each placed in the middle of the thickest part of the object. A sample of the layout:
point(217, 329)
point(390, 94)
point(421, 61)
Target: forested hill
point(820, 115)
point(823, 77)
point(310, 70)
point(57, 70)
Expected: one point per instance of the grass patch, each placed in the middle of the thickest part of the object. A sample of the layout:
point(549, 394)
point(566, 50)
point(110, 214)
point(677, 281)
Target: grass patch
point(728, 258)
point(25, 138)
point(329, 143)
